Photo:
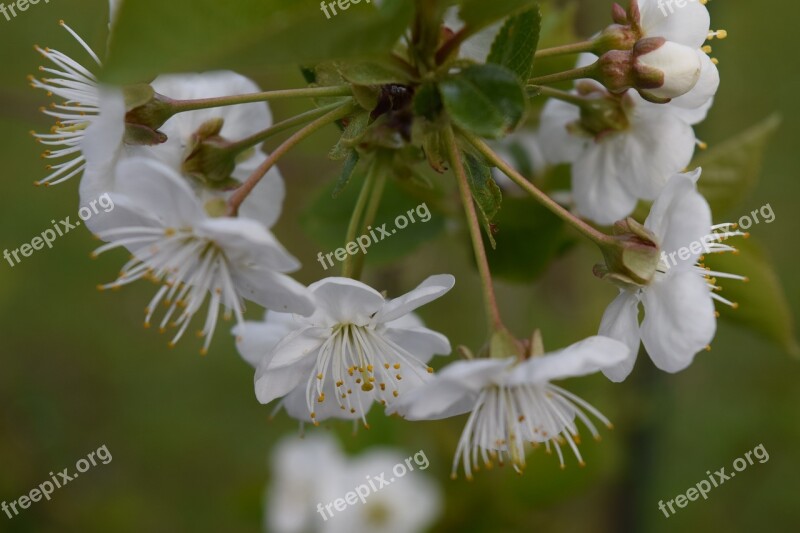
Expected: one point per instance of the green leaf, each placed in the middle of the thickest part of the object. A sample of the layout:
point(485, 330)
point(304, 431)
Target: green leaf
point(350, 136)
point(347, 172)
point(485, 192)
point(151, 37)
point(478, 14)
point(487, 100)
point(326, 220)
point(516, 43)
point(762, 304)
point(372, 72)
point(528, 238)
point(428, 101)
point(731, 169)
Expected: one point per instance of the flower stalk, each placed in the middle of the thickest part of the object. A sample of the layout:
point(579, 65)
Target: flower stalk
point(364, 198)
point(490, 299)
point(247, 187)
point(597, 237)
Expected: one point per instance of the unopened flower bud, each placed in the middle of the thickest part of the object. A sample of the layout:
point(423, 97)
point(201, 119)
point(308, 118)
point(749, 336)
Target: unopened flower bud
point(211, 159)
point(658, 69)
point(145, 112)
point(665, 69)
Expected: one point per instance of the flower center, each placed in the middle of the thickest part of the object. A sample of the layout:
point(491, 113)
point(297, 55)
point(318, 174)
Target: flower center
point(363, 366)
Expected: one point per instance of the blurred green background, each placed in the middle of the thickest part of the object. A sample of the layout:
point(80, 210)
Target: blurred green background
point(190, 442)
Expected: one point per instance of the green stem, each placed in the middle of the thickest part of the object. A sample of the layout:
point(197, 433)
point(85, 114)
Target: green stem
point(449, 47)
point(573, 74)
point(179, 106)
point(575, 48)
point(568, 97)
point(349, 267)
point(369, 218)
point(592, 234)
point(490, 300)
point(247, 187)
point(257, 138)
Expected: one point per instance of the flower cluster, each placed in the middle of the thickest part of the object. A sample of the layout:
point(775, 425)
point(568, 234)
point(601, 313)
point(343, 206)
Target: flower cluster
point(196, 197)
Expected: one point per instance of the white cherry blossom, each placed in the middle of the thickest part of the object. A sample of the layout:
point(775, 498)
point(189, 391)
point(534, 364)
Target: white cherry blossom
point(192, 256)
point(356, 348)
point(512, 403)
point(679, 317)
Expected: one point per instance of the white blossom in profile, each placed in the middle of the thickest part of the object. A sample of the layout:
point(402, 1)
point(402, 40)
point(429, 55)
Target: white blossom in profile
point(193, 255)
point(679, 316)
point(512, 403)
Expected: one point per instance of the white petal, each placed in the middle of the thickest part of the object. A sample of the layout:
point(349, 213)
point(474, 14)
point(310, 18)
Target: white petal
point(278, 382)
point(693, 106)
point(126, 213)
point(582, 358)
point(249, 241)
point(346, 300)
point(658, 145)
point(160, 190)
point(680, 217)
point(621, 322)
point(680, 66)
point(597, 185)
point(272, 290)
point(452, 391)
point(422, 343)
point(688, 24)
point(102, 142)
point(427, 291)
point(678, 320)
point(256, 340)
point(290, 364)
point(558, 145)
point(240, 120)
point(435, 402)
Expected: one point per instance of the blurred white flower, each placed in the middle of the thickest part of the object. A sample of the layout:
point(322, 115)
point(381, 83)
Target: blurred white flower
point(409, 504)
point(615, 165)
point(357, 347)
point(512, 403)
point(81, 107)
point(105, 149)
point(304, 472)
point(679, 318)
point(178, 244)
point(310, 473)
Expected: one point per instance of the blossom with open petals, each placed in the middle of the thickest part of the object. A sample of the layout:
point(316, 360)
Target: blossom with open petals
point(679, 317)
point(193, 255)
point(512, 403)
point(82, 101)
point(357, 347)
